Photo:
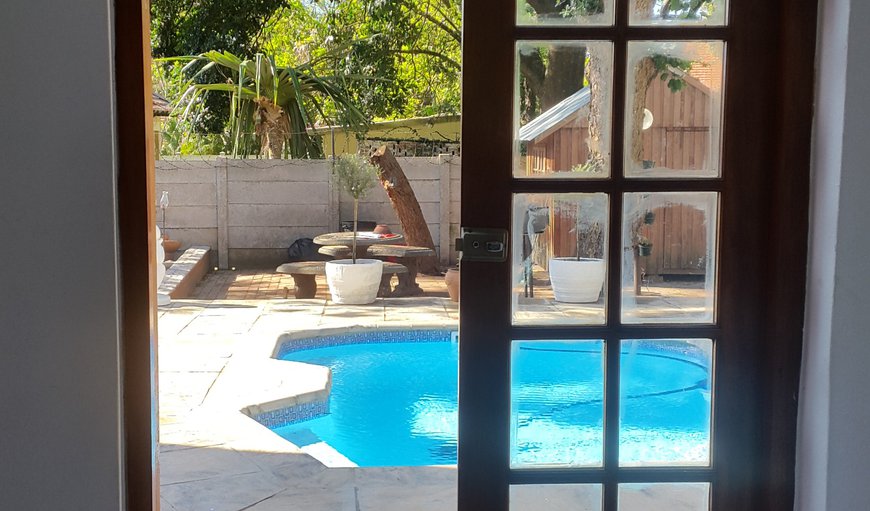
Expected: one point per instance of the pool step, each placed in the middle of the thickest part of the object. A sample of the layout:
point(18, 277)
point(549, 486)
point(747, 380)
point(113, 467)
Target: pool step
point(324, 453)
point(309, 443)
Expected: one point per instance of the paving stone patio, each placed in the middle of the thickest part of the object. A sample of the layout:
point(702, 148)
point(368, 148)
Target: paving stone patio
point(214, 360)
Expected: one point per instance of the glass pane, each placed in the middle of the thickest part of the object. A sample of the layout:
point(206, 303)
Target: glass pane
point(559, 258)
point(664, 400)
point(555, 497)
point(673, 114)
point(677, 12)
point(557, 404)
point(664, 497)
point(562, 12)
point(669, 257)
point(563, 105)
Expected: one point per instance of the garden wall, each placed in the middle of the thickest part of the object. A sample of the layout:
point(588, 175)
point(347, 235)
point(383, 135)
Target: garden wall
point(250, 210)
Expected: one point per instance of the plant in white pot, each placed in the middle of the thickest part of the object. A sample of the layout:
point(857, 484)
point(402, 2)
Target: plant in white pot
point(580, 278)
point(354, 281)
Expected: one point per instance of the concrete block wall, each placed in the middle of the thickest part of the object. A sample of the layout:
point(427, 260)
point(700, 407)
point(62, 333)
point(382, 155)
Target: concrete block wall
point(249, 211)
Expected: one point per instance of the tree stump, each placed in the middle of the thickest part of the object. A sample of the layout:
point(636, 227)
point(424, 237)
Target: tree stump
point(405, 204)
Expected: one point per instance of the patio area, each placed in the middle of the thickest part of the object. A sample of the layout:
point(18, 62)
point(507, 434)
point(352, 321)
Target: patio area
point(214, 360)
point(214, 458)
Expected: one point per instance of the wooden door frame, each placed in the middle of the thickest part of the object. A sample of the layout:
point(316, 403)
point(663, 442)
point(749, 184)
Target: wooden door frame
point(136, 246)
point(775, 299)
point(764, 198)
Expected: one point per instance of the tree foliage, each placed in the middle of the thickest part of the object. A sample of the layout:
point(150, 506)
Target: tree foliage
point(191, 27)
point(407, 52)
point(278, 105)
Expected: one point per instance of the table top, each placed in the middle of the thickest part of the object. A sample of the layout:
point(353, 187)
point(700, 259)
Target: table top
point(400, 251)
point(363, 239)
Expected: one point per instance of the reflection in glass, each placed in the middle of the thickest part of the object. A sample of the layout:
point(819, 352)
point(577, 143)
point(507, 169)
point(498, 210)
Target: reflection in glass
point(559, 263)
point(669, 257)
point(677, 12)
point(565, 12)
point(563, 105)
point(555, 497)
point(664, 497)
point(664, 402)
point(557, 404)
point(673, 115)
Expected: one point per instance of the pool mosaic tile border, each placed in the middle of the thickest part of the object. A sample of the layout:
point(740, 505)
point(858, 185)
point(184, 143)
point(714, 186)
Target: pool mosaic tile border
point(365, 337)
point(293, 414)
point(682, 348)
point(312, 410)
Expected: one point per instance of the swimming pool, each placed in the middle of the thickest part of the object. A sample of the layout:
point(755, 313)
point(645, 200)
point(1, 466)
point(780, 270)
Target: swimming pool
point(393, 403)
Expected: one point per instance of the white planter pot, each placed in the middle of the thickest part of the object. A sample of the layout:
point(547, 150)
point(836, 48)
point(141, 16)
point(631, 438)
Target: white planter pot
point(354, 283)
point(577, 281)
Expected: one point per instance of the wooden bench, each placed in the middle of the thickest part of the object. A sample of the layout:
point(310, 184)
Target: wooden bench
point(304, 276)
point(407, 256)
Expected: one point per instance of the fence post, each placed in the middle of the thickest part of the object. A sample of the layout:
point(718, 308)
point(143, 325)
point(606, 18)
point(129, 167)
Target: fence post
point(222, 201)
point(334, 197)
point(444, 209)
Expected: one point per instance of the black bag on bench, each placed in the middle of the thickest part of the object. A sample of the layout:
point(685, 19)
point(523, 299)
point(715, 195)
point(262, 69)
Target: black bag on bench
point(304, 249)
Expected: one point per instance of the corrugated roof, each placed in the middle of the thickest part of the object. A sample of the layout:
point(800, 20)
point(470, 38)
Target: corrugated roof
point(160, 106)
point(555, 115)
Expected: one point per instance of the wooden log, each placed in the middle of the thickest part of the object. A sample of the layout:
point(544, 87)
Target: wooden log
point(406, 206)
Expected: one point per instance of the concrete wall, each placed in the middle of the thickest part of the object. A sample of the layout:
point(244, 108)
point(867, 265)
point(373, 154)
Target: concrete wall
point(834, 414)
point(250, 211)
point(60, 434)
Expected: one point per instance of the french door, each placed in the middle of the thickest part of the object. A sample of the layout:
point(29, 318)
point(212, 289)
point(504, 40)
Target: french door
point(661, 148)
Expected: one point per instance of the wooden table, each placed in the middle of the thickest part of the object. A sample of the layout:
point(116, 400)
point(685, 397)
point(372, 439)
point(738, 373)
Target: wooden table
point(364, 240)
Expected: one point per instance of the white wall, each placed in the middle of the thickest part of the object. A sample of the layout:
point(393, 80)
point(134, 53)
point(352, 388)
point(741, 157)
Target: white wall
point(59, 377)
point(834, 412)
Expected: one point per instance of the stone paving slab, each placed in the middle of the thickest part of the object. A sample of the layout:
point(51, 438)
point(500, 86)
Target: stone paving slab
point(214, 360)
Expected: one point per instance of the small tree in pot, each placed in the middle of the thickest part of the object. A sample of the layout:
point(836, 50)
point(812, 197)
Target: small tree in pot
point(354, 281)
point(580, 278)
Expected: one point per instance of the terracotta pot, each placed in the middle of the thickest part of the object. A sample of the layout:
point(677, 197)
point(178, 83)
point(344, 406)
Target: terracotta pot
point(382, 229)
point(451, 278)
point(170, 246)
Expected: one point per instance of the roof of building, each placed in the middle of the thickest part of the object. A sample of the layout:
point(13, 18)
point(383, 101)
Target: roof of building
point(160, 105)
point(555, 115)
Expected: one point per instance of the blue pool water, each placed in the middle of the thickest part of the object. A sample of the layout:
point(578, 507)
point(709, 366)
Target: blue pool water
point(394, 403)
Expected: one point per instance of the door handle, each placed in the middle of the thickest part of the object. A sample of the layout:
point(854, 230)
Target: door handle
point(482, 244)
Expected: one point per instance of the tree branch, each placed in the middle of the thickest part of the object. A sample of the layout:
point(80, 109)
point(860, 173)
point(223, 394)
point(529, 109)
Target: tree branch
point(533, 70)
point(543, 6)
point(447, 10)
point(456, 35)
point(443, 58)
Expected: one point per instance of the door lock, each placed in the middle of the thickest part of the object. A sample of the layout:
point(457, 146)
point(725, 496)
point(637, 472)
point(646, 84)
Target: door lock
point(483, 244)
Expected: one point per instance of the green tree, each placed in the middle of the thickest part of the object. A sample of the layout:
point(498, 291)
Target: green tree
point(191, 27)
point(407, 52)
point(278, 105)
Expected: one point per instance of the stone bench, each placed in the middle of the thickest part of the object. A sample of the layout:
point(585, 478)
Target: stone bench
point(185, 273)
point(407, 256)
point(304, 276)
point(336, 251)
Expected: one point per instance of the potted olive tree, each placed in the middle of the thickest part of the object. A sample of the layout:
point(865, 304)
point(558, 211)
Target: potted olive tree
point(580, 278)
point(354, 281)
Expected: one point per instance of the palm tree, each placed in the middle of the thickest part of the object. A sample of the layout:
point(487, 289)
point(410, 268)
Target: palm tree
point(280, 105)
